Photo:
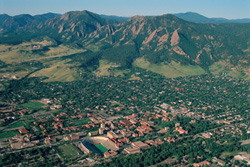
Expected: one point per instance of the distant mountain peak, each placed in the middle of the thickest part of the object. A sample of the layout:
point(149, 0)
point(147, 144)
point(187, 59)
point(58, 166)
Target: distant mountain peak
point(198, 18)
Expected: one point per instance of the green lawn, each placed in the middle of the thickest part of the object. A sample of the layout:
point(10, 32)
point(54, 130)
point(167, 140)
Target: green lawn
point(80, 122)
point(68, 151)
point(8, 134)
point(34, 105)
point(15, 125)
point(101, 148)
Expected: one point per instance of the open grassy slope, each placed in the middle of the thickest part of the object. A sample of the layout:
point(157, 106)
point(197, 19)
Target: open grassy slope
point(58, 71)
point(170, 70)
point(40, 56)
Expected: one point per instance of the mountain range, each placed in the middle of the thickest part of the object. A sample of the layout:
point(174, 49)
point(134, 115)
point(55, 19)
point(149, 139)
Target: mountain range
point(197, 18)
point(96, 43)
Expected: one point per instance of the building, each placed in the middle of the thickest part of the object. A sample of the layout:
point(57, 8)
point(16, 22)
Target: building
point(95, 120)
point(23, 130)
point(115, 143)
point(49, 140)
point(132, 150)
point(144, 129)
point(103, 125)
point(181, 130)
point(93, 133)
point(101, 130)
point(164, 106)
point(45, 100)
point(110, 153)
point(177, 124)
point(111, 134)
point(120, 108)
point(125, 122)
point(203, 163)
point(140, 145)
point(219, 161)
point(75, 137)
point(207, 136)
point(67, 138)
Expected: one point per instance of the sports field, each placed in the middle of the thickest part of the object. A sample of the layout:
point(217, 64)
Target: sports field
point(68, 151)
point(34, 105)
point(101, 148)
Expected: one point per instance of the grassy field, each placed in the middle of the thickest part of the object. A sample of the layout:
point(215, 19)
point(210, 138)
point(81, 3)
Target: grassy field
point(59, 71)
point(171, 70)
point(8, 134)
point(34, 105)
point(235, 72)
point(101, 148)
point(104, 68)
point(68, 151)
point(14, 54)
point(22, 52)
point(79, 122)
point(15, 125)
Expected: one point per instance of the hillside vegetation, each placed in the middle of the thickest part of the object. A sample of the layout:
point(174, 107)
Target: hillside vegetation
point(62, 48)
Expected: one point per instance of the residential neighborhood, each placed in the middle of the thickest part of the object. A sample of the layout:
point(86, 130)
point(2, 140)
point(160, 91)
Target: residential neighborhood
point(113, 127)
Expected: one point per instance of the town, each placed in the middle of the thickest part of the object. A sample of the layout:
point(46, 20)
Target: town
point(107, 121)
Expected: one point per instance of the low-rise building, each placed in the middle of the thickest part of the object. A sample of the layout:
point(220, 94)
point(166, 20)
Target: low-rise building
point(219, 161)
point(132, 150)
point(140, 145)
point(93, 133)
point(144, 129)
point(181, 130)
point(75, 137)
point(110, 153)
point(49, 140)
point(111, 134)
point(203, 163)
point(206, 135)
point(23, 130)
point(125, 122)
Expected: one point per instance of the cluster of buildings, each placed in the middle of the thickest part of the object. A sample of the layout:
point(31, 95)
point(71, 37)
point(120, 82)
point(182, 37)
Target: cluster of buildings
point(23, 141)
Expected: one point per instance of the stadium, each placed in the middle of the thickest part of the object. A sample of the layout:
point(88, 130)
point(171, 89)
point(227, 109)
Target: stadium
point(98, 145)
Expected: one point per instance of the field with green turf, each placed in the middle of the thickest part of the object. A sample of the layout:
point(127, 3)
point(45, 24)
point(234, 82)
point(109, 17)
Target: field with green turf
point(101, 148)
point(79, 122)
point(68, 151)
point(34, 105)
point(15, 125)
point(8, 134)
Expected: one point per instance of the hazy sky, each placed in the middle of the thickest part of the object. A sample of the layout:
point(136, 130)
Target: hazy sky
point(211, 8)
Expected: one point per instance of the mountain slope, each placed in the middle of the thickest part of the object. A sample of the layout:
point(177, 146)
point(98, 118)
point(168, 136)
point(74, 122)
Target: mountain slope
point(148, 42)
point(74, 25)
point(197, 18)
point(116, 18)
point(23, 22)
point(167, 38)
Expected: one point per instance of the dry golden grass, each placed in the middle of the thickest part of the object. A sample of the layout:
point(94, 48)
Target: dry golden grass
point(107, 68)
point(133, 77)
point(104, 68)
point(11, 54)
point(59, 71)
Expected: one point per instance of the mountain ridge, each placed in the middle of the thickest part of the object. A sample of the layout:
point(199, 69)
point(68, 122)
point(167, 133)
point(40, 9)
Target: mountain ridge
point(154, 40)
point(198, 18)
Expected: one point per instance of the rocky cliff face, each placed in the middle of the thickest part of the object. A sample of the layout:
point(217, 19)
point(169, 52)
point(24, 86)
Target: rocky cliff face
point(166, 36)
